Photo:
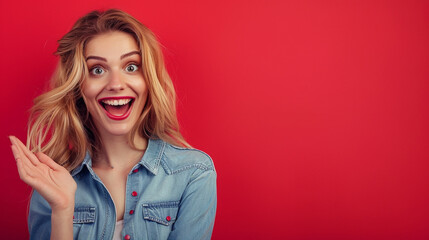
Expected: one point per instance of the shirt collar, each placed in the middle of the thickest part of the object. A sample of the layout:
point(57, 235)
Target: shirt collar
point(151, 158)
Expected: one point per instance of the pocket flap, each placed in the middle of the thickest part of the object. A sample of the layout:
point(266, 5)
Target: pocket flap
point(84, 215)
point(164, 213)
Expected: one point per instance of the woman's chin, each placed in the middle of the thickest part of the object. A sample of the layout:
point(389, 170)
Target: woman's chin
point(116, 130)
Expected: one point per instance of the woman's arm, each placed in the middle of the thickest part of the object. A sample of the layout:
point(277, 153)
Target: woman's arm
point(197, 210)
point(53, 182)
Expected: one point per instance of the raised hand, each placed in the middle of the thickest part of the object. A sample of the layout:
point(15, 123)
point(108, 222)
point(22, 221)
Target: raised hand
point(52, 181)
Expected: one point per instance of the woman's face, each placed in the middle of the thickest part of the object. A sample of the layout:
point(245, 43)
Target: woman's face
point(114, 90)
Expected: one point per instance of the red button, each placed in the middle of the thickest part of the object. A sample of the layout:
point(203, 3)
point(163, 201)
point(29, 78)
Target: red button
point(134, 193)
point(135, 170)
point(127, 237)
point(168, 218)
point(131, 212)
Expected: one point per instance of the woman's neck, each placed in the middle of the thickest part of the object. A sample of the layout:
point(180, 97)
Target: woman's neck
point(117, 153)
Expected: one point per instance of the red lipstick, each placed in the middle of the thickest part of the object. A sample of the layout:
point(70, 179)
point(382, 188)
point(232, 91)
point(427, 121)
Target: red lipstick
point(104, 102)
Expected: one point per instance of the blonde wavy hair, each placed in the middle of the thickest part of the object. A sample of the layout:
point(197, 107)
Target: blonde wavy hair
point(60, 125)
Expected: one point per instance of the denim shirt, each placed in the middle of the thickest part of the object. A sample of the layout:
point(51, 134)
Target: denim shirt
point(170, 194)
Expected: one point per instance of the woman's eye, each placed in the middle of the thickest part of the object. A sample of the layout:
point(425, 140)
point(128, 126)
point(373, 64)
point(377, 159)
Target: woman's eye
point(97, 71)
point(132, 68)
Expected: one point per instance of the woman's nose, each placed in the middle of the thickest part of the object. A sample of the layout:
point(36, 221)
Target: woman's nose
point(116, 82)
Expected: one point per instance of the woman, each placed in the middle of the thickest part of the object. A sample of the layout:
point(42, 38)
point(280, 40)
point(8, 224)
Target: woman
point(116, 165)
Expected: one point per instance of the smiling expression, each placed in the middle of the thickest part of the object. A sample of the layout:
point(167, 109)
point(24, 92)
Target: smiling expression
point(114, 91)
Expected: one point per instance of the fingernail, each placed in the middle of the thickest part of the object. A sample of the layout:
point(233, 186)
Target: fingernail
point(11, 139)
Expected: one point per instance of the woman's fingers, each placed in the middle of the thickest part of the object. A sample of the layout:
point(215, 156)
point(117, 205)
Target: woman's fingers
point(15, 149)
point(28, 167)
point(23, 171)
point(48, 161)
point(20, 150)
point(25, 151)
point(16, 152)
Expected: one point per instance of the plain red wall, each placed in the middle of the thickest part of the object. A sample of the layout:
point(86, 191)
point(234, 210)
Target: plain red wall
point(315, 112)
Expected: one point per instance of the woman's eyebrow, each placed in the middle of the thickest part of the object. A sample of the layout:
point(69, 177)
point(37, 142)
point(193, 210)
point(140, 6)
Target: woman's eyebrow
point(96, 57)
point(105, 60)
point(129, 54)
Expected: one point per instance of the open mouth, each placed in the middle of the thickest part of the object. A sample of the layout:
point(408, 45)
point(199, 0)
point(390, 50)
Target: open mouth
point(117, 108)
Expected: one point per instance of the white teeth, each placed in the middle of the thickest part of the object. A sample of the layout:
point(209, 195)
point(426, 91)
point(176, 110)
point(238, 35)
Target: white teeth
point(116, 102)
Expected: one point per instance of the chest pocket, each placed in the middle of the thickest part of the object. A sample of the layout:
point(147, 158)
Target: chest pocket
point(83, 222)
point(84, 215)
point(159, 218)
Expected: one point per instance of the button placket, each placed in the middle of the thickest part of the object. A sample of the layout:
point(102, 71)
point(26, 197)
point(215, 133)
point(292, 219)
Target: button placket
point(133, 186)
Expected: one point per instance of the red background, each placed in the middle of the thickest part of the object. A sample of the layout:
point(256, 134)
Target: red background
point(315, 112)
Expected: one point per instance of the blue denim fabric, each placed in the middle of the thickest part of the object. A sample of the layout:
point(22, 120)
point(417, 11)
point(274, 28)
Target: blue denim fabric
point(176, 199)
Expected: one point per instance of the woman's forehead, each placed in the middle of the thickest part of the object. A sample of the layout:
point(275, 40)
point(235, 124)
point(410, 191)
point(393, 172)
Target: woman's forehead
point(111, 44)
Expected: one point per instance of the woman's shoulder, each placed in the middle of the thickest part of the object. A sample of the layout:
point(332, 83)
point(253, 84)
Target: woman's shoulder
point(176, 158)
